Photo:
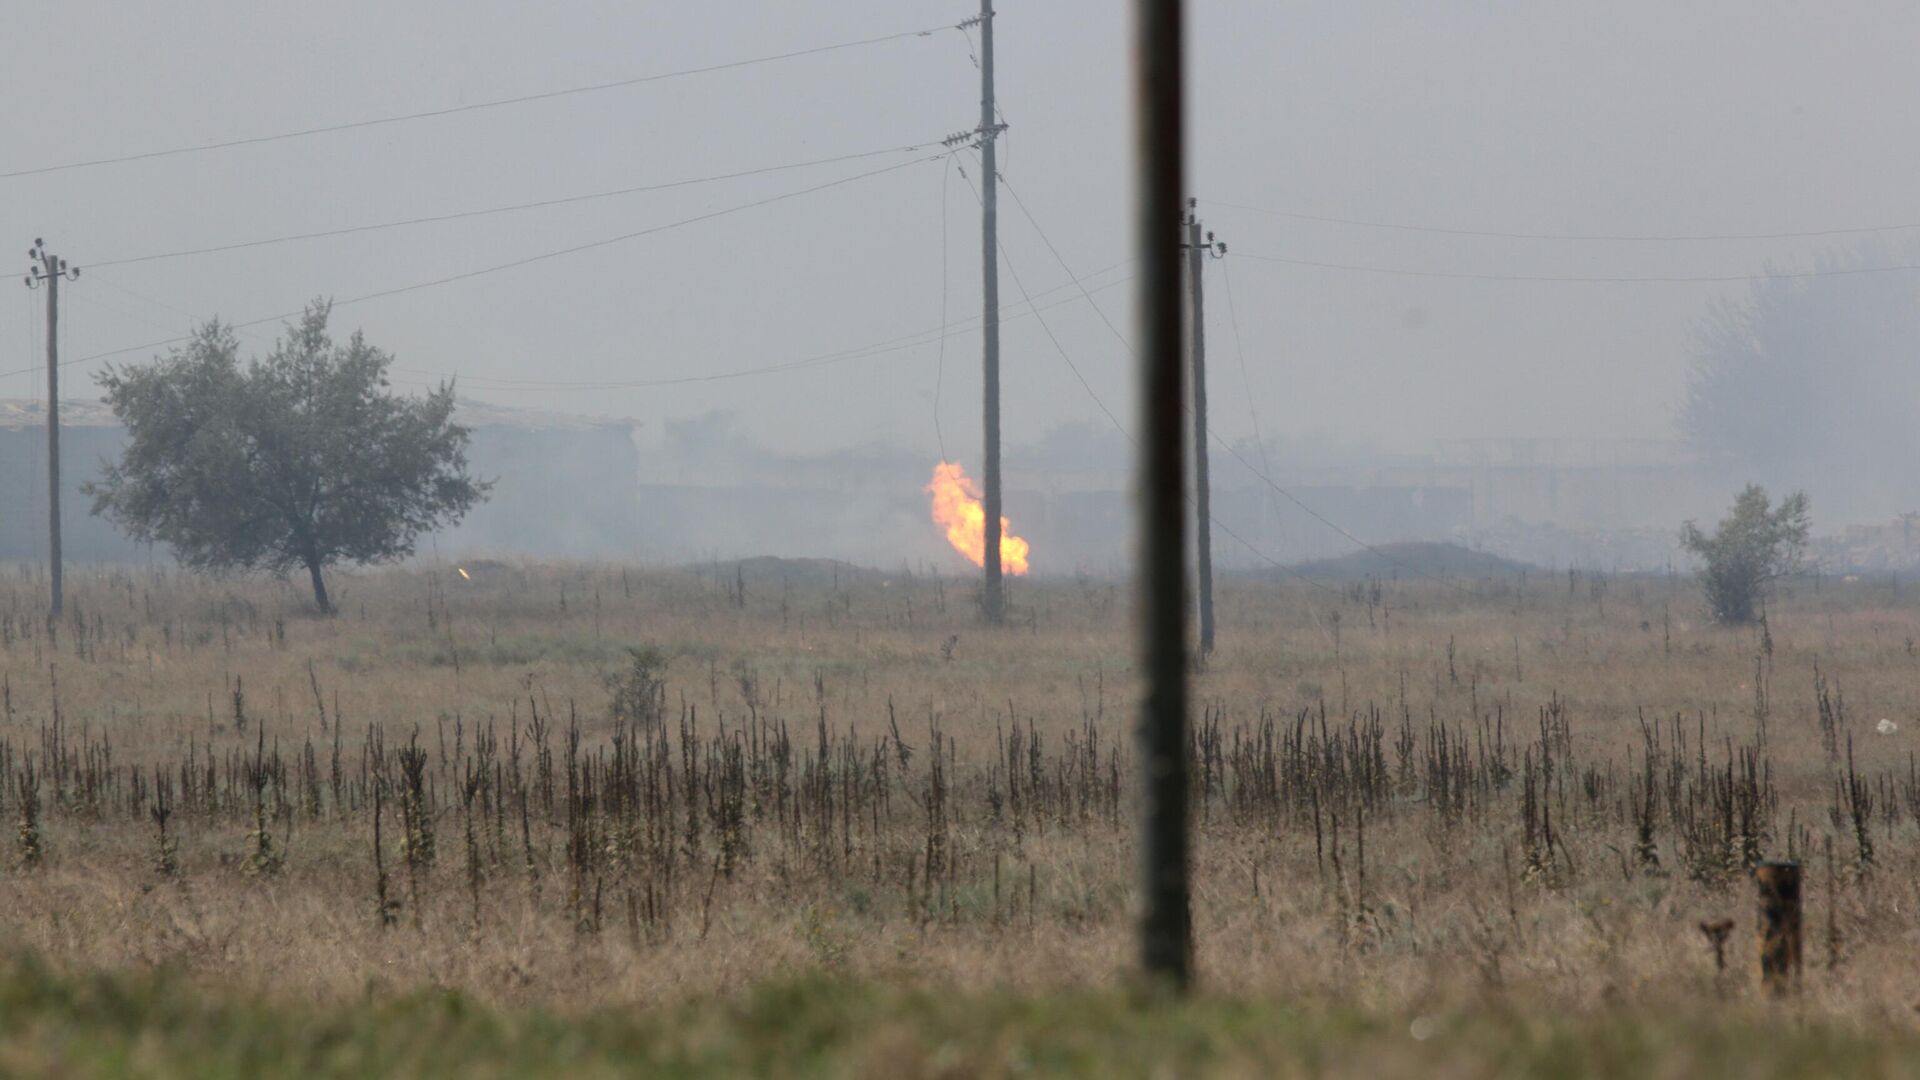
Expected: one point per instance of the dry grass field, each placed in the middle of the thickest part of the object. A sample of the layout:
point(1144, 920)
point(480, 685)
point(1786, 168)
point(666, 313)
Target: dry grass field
point(657, 812)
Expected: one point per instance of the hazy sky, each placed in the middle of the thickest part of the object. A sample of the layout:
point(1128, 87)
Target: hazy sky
point(1619, 118)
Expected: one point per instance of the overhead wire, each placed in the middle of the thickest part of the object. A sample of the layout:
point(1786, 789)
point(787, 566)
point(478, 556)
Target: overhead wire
point(1627, 279)
point(1246, 381)
point(1213, 435)
point(1057, 347)
point(1009, 313)
point(510, 208)
point(451, 110)
point(1503, 234)
point(943, 332)
point(590, 245)
point(525, 260)
point(881, 348)
point(1091, 393)
point(107, 280)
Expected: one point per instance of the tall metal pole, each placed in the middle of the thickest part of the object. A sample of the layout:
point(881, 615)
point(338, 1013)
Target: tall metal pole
point(992, 598)
point(1166, 917)
point(49, 270)
point(1202, 486)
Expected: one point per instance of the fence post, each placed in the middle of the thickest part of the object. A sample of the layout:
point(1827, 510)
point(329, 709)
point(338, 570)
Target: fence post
point(1779, 888)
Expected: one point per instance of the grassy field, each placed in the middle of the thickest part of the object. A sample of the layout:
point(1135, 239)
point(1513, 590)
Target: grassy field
point(806, 819)
point(160, 1025)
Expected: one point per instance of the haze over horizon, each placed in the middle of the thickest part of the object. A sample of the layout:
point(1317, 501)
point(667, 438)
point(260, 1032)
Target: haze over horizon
point(1639, 120)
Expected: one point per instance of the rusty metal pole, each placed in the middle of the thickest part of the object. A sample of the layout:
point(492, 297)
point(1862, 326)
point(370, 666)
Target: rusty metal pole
point(1166, 917)
point(1779, 887)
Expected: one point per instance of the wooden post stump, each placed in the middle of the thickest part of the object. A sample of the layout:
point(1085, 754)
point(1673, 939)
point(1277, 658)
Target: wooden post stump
point(1779, 888)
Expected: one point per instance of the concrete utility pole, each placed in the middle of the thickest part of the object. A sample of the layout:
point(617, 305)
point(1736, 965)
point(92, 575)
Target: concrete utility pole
point(1202, 484)
point(992, 598)
point(44, 267)
point(1166, 914)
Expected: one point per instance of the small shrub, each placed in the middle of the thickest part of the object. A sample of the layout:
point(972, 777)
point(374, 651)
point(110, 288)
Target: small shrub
point(640, 691)
point(1754, 545)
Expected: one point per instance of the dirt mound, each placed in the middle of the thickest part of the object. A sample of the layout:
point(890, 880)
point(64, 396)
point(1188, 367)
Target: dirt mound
point(1406, 561)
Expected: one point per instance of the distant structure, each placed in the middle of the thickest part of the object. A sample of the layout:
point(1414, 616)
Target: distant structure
point(1892, 547)
point(574, 486)
point(565, 485)
point(1575, 483)
point(711, 493)
point(88, 433)
point(1602, 504)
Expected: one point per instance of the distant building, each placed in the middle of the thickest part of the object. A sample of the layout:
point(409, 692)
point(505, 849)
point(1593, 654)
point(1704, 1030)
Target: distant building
point(710, 492)
point(577, 487)
point(1893, 547)
point(1578, 483)
point(564, 486)
point(88, 434)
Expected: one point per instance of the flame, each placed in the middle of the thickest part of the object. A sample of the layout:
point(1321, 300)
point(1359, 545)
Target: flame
point(956, 508)
point(463, 572)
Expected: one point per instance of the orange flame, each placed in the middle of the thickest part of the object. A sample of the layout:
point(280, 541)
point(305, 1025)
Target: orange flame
point(956, 508)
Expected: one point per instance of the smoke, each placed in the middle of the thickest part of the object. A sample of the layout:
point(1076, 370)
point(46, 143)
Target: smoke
point(1812, 384)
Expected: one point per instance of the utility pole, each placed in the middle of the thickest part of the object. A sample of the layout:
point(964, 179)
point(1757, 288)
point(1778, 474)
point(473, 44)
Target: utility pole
point(992, 597)
point(1166, 912)
point(44, 267)
point(1202, 485)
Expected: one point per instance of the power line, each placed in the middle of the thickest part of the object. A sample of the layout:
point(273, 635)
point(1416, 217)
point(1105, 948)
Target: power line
point(1229, 447)
point(524, 261)
point(1804, 234)
point(889, 345)
point(636, 234)
point(720, 376)
point(880, 348)
point(1650, 279)
point(1071, 366)
point(538, 204)
point(1373, 549)
point(1088, 387)
point(117, 352)
point(824, 359)
point(1246, 382)
point(452, 110)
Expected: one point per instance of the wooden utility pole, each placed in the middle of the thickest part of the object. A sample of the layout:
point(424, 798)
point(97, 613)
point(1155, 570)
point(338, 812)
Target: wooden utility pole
point(1202, 484)
point(1166, 915)
point(46, 268)
point(993, 598)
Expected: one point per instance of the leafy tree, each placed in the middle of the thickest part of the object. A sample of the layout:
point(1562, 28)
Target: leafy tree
point(1753, 546)
point(303, 458)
